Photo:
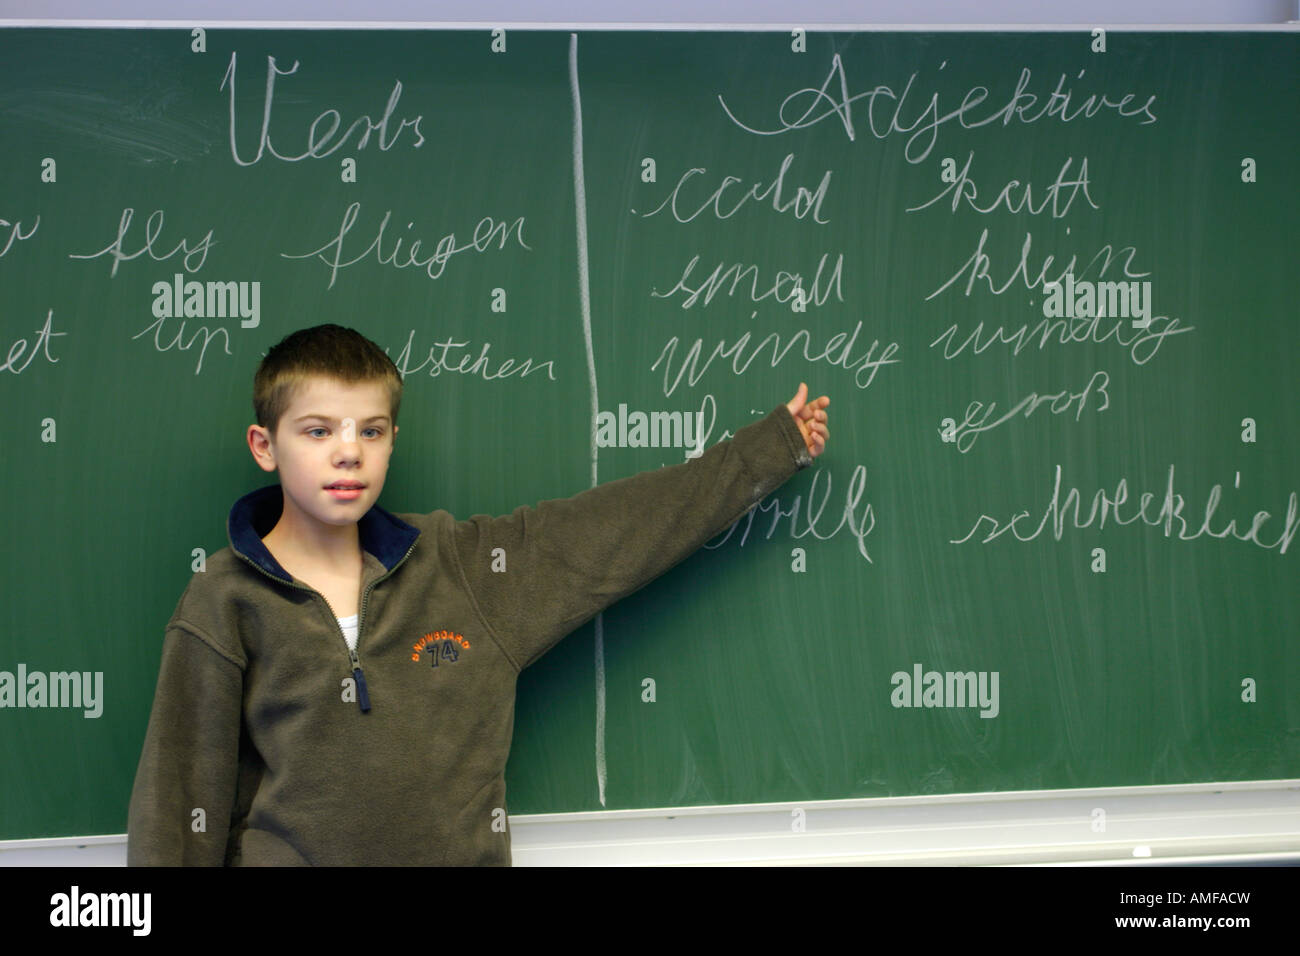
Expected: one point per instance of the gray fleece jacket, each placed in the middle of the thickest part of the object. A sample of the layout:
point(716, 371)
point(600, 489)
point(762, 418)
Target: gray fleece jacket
point(271, 743)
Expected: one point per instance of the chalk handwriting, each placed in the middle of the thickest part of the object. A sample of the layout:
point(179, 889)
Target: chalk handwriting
point(16, 232)
point(979, 265)
point(818, 104)
point(43, 336)
point(964, 188)
point(1170, 511)
point(1142, 344)
point(178, 342)
point(802, 202)
point(967, 432)
point(486, 232)
point(708, 413)
point(317, 138)
point(152, 228)
point(440, 358)
point(837, 351)
point(737, 273)
point(859, 523)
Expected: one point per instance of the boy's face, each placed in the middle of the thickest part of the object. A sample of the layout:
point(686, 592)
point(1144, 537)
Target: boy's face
point(331, 433)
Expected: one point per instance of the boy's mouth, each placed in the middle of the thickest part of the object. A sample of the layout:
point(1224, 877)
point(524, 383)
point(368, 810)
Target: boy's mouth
point(345, 490)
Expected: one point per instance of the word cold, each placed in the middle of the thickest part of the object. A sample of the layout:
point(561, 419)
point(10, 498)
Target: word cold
point(208, 300)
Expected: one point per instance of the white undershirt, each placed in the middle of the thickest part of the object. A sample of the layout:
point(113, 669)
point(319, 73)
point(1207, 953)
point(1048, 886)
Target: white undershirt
point(349, 625)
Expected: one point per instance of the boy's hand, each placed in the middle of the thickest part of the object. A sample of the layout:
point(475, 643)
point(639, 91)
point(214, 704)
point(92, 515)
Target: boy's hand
point(811, 419)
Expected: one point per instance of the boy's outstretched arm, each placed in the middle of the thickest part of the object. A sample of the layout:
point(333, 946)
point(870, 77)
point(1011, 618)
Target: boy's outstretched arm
point(567, 559)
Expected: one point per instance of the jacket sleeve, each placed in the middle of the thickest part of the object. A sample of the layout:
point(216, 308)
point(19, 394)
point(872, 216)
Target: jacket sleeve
point(190, 760)
point(567, 559)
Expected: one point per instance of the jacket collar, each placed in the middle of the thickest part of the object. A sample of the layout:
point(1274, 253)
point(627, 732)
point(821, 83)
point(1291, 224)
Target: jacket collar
point(253, 516)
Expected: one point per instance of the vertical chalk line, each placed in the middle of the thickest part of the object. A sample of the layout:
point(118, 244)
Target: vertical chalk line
point(584, 293)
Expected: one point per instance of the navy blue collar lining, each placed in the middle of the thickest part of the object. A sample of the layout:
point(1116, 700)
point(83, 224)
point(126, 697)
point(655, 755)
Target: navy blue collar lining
point(253, 516)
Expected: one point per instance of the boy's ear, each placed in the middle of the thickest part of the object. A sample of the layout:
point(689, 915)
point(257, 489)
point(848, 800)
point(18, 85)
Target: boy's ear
point(259, 443)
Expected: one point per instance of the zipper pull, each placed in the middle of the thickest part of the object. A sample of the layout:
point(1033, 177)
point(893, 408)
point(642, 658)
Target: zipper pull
point(363, 695)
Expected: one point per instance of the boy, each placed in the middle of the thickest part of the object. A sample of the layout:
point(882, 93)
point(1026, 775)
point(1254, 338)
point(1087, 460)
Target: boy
point(338, 686)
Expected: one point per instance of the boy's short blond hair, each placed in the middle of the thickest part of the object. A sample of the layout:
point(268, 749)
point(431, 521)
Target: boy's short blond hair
point(325, 351)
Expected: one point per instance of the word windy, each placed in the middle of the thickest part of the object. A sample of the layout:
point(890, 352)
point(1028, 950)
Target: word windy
point(208, 300)
point(82, 689)
point(103, 909)
point(653, 430)
point(950, 689)
point(837, 351)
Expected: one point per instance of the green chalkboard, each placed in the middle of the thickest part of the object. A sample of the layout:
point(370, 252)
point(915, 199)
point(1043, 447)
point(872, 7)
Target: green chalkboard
point(1031, 557)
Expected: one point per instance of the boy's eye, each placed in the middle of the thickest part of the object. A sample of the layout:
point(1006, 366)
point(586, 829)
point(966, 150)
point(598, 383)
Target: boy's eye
point(378, 432)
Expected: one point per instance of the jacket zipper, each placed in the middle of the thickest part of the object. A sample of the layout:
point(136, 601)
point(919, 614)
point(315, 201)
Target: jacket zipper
point(363, 693)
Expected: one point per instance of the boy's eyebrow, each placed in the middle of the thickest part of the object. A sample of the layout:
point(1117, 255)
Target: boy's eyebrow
point(326, 418)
